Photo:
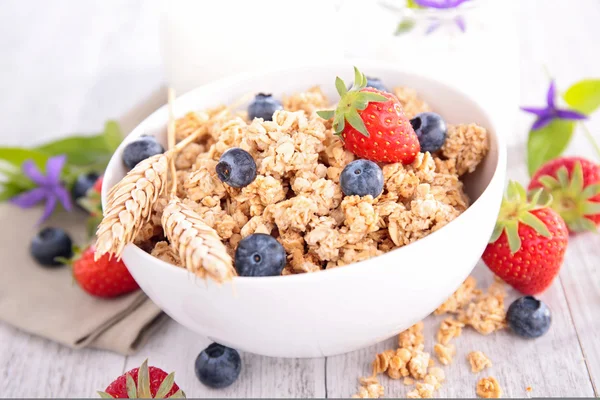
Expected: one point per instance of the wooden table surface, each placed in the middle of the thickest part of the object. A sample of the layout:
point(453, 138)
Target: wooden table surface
point(69, 65)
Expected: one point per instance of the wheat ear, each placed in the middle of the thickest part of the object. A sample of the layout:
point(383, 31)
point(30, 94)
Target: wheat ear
point(198, 245)
point(129, 203)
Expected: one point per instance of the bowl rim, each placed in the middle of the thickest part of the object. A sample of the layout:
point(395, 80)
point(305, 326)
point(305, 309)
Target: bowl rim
point(230, 81)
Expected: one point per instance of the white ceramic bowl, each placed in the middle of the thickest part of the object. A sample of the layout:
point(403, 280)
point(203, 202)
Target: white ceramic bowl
point(343, 309)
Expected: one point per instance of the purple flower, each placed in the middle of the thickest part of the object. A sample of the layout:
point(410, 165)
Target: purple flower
point(440, 4)
point(49, 188)
point(546, 114)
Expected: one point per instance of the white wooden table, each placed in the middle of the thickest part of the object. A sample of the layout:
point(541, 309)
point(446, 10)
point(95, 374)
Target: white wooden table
point(67, 66)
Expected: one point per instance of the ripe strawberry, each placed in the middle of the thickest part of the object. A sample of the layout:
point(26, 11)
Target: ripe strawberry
point(103, 278)
point(98, 185)
point(529, 242)
point(376, 127)
point(143, 383)
point(574, 184)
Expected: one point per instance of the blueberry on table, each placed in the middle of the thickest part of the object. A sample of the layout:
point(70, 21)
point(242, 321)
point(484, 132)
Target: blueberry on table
point(431, 131)
point(236, 168)
point(259, 255)
point(144, 147)
point(49, 244)
point(529, 317)
point(83, 183)
point(362, 178)
point(263, 106)
point(218, 366)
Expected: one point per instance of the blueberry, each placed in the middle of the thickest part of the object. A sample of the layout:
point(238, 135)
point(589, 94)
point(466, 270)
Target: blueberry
point(362, 177)
point(83, 183)
point(263, 106)
point(529, 317)
point(431, 131)
point(50, 243)
point(259, 255)
point(374, 83)
point(236, 168)
point(218, 366)
point(144, 147)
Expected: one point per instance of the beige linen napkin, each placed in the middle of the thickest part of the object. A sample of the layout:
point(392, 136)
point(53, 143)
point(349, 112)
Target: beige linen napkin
point(46, 301)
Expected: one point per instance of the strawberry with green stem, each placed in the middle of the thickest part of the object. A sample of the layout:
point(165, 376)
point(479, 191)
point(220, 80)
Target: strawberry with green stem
point(143, 383)
point(528, 243)
point(574, 184)
point(372, 123)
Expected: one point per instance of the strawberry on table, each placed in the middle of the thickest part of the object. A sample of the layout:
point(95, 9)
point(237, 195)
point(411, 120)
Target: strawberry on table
point(574, 184)
point(143, 383)
point(372, 123)
point(529, 242)
point(107, 277)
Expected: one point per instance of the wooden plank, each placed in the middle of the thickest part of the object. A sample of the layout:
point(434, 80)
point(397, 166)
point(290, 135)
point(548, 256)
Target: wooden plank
point(175, 348)
point(551, 365)
point(34, 367)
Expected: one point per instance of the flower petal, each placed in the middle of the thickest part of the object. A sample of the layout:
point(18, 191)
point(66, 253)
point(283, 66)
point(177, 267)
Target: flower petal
point(551, 94)
point(29, 198)
point(31, 170)
point(432, 27)
point(54, 167)
point(63, 196)
point(460, 22)
point(540, 112)
point(541, 122)
point(569, 114)
point(48, 208)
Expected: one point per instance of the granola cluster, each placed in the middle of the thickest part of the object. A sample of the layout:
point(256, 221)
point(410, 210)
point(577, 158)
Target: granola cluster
point(296, 196)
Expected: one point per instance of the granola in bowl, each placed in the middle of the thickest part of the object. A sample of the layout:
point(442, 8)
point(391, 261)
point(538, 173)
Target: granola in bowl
point(295, 194)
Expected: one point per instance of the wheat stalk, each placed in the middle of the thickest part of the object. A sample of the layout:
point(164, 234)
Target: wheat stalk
point(198, 245)
point(129, 204)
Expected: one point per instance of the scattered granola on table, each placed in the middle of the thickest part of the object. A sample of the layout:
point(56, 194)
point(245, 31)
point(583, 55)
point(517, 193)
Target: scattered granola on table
point(478, 361)
point(489, 388)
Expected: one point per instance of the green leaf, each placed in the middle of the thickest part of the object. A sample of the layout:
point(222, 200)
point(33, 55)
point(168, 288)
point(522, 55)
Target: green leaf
point(113, 136)
point(87, 150)
point(16, 156)
point(165, 386)
point(591, 191)
point(576, 183)
point(131, 388)
point(512, 234)
point(326, 114)
point(583, 225)
point(584, 96)
point(144, 381)
point(549, 182)
point(371, 97)
point(340, 86)
point(547, 143)
point(406, 25)
point(178, 395)
point(536, 223)
point(591, 208)
point(339, 123)
point(356, 122)
point(498, 229)
point(9, 190)
point(105, 395)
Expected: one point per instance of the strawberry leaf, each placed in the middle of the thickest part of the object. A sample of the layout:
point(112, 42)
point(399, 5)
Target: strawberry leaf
point(512, 235)
point(326, 114)
point(131, 388)
point(165, 386)
point(105, 395)
point(498, 229)
point(144, 381)
point(340, 86)
point(583, 225)
point(584, 96)
point(178, 395)
point(372, 97)
point(591, 191)
point(536, 223)
point(356, 122)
